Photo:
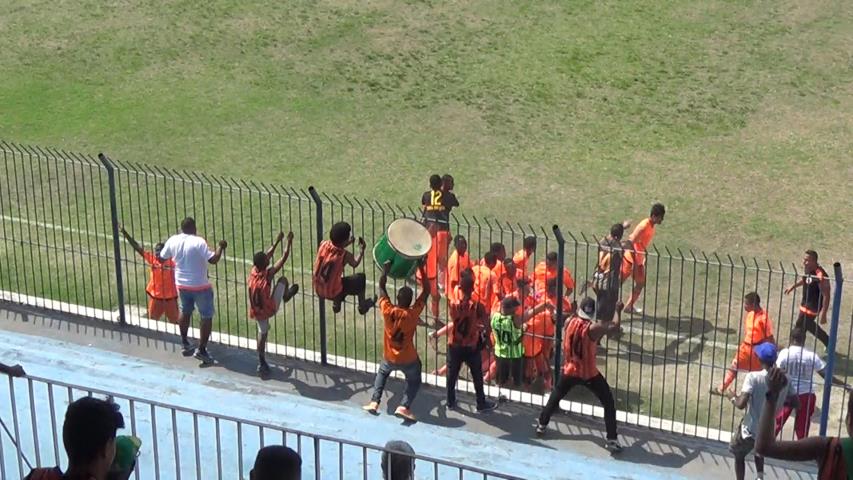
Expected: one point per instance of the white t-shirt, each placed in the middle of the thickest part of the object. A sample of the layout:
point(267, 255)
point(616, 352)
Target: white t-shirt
point(190, 253)
point(755, 384)
point(800, 365)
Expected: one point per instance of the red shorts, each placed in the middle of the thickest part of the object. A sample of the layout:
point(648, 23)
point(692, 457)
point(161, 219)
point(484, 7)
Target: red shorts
point(803, 417)
point(157, 308)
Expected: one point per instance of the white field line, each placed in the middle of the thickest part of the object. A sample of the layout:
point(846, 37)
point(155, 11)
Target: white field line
point(370, 367)
point(628, 327)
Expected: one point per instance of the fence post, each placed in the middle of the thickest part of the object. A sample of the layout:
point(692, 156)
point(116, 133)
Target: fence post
point(318, 203)
point(558, 340)
point(833, 337)
point(111, 178)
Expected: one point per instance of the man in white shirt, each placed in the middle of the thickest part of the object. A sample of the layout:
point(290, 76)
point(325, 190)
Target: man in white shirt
point(192, 256)
point(752, 397)
point(800, 364)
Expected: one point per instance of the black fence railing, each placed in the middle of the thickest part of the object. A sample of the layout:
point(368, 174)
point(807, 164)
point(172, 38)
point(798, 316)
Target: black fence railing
point(58, 250)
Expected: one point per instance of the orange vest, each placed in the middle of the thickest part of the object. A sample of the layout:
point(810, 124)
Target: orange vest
point(328, 270)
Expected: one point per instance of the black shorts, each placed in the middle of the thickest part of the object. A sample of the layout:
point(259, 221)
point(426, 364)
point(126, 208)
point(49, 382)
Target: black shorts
point(352, 285)
point(507, 367)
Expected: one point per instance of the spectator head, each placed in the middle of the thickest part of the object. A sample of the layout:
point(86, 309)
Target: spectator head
point(616, 231)
point(127, 451)
point(188, 226)
point(158, 247)
point(89, 435)
point(798, 336)
point(498, 249)
point(466, 283)
point(404, 296)
point(509, 305)
point(551, 260)
point(260, 260)
point(657, 213)
point(509, 267)
point(586, 310)
point(766, 353)
point(529, 245)
point(460, 244)
point(523, 286)
point(276, 462)
point(447, 182)
point(810, 261)
point(435, 182)
point(340, 234)
point(398, 461)
point(490, 259)
point(751, 302)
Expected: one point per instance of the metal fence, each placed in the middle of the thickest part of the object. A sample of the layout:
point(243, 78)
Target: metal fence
point(184, 443)
point(60, 249)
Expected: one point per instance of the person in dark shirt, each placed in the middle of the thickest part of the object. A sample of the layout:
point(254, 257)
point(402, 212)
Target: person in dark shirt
point(815, 301)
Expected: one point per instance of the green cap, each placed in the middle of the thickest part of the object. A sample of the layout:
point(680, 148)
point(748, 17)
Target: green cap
point(127, 449)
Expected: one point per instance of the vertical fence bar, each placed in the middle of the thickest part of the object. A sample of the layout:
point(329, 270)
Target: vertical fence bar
point(111, 179)
point(558, 341)
point(833, 338)
point(321, 303)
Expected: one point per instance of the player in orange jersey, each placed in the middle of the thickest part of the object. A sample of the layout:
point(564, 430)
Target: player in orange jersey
point(547, 270)
point(523, 256)
point(757, 329)
point(641, 238)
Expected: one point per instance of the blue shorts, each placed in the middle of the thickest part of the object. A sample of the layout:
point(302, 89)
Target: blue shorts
point(203, 299)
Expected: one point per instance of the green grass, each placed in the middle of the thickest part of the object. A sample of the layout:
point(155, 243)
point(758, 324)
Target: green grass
point(735, 114)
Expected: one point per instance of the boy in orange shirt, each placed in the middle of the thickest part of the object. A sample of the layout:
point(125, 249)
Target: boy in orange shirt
point(459, 262)
point(507, 281)
point(161, 289)
point(641, 238)
point(757, 329)
point(485, 280)
point(539, 339)
point(522, 257)
point(328, 273)
point(547, 270)
point(264, 300)
point(401, 322)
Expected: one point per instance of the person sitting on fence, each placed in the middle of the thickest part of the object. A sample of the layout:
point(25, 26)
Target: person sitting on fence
point(752, 398)
point(437, 203)
point(89, 437)
point(401, 321)
point(329, 282)
point(833, 455)
point(277, 462)
point(192, 257)
point(398, 461)
point(264, 300)
point(12, 370)
point(816, 297)
point(757, 329)
point(521, 259)
point(124, 463)
point(466, 339)
point(580, 346)
point(547, 270)
point(161, 289)
point(459, 261)
point(641, 238)
point(508, 327)
point(539, 338)
point(800, 364)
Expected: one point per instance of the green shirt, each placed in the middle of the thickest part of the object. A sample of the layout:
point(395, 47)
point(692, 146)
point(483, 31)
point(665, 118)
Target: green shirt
point(507, 337)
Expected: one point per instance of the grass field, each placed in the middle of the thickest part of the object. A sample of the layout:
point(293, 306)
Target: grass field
point(735, 114)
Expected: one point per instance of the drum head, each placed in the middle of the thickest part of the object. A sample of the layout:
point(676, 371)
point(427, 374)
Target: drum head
point(409, 238)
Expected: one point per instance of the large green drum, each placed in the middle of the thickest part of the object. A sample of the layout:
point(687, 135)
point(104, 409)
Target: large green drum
point(405, 242)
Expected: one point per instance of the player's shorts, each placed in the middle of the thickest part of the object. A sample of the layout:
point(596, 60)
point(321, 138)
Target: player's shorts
point(157, 308)
point(637, 272)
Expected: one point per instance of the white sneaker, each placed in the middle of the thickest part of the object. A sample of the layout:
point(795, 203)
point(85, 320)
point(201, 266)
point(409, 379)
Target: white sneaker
point(613, 446)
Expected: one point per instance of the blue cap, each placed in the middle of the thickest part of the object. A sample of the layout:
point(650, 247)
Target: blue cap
point(766, 352)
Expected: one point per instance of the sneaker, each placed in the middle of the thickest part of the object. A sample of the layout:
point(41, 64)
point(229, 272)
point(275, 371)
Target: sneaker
point(290, 293)
point(366, 306)
point(405, 414)
point(336, 307)
point(486, 407)
point(263, 369)
point(202, 355)
point(187, 349)
point(540, 429)
point(613, 446)
point(635, 310)
point(451, 406)
point(372, 408)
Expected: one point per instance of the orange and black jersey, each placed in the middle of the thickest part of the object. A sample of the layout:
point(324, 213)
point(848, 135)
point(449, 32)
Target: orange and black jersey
point(812, 302)
point(437, 206)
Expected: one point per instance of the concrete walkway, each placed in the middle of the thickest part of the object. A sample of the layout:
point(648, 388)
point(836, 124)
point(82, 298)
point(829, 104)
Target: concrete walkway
point(327, 400)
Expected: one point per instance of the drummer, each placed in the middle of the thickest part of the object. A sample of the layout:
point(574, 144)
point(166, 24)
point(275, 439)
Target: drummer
point(328, 273)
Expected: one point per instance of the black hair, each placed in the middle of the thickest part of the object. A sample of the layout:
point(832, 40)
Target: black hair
point(434, 182)
point(522, 282)
point(260, 260)
point(617, 230)
point(798, 335)
point(340, 233)
point(496, 248)
point(188, 225)
point(466, 281)
point(753, 298)
point(812, 254)
point(446, 178)
point(490, 258)
point(658, 210)
point(509, 261)
point(405, 292)
point(277, 462)
point(90, 423)
point(398, 461)
point(457, 239)
point(529, 242)
point(551, 257)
